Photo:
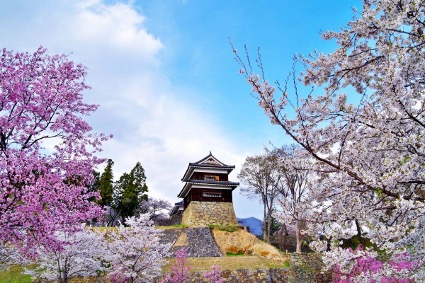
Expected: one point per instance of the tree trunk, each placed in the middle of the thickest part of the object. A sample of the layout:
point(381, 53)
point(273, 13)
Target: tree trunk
point(359, 232)
point(65, 271)
point(264, 222)
point(64, 278)
point(298, 236)
point(269, 224)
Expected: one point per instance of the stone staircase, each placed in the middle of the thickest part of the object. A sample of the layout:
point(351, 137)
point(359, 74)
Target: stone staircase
point(201, 242)
point(170, 236)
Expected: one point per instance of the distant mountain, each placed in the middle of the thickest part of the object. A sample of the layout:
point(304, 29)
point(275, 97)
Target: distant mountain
point(254, 225)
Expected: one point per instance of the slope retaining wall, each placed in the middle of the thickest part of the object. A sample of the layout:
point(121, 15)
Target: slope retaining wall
point(303, 268)
point(202, 214)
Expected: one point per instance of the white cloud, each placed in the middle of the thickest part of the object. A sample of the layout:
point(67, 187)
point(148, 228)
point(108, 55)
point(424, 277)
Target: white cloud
point(150, 121)
point(118, 26)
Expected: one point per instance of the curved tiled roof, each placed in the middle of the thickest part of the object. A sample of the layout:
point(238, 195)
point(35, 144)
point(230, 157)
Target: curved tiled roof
point(208, 162)
point(210, 159)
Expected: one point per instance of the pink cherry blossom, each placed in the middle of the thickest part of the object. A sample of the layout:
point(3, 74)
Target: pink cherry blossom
point(47, 149)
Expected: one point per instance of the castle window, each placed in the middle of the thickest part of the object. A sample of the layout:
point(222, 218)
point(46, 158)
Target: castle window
point(211, 195)
point(210, 178)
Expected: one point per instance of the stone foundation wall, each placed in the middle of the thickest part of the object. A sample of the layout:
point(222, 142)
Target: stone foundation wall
point(245, 276)
point(202, 214)
point(273, 275)
point(303, 268)
point(91, 279)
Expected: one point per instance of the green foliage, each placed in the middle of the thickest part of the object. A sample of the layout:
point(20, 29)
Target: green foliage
point(130, 191)
point(275, 225)
point(14, 274)
point(378, 192)
point(106, 184)
point(227, 228)
point(355, 241)
point(405, 160)
point(234, 254)
point(176, 226)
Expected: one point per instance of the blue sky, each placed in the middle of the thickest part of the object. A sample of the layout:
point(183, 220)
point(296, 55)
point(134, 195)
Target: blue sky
point(164, 74)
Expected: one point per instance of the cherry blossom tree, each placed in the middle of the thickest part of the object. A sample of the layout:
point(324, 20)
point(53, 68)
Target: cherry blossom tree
point(365, 128)
point(80, 254)
point(361, 267)
point(214, 275)
point(135, 252)
point(260, 177)
point(158, 209)
point(296, 182)
point(180, 269)
point(47, 149)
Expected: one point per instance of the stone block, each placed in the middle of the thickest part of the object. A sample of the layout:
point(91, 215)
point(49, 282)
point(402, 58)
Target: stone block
point(201, 214)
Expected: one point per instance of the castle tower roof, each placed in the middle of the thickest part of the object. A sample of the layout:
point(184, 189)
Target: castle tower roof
point(207, 165)
point(208, 162)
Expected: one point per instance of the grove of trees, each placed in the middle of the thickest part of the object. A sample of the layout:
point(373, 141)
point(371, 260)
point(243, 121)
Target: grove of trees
point(363, 128)
point(128, 197)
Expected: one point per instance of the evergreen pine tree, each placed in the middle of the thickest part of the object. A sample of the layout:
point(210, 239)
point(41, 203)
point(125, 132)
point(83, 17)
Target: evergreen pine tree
point(130, 191)
point(106, 184)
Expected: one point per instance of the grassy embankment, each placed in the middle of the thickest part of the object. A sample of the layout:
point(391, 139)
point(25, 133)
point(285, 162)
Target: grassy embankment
point(14, 274)
point(231, 261)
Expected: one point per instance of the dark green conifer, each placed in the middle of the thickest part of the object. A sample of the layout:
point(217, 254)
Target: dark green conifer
point(106, 184)
point(130, 191)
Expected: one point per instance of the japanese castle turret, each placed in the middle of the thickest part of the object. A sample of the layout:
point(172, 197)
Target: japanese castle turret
point(207, 193)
